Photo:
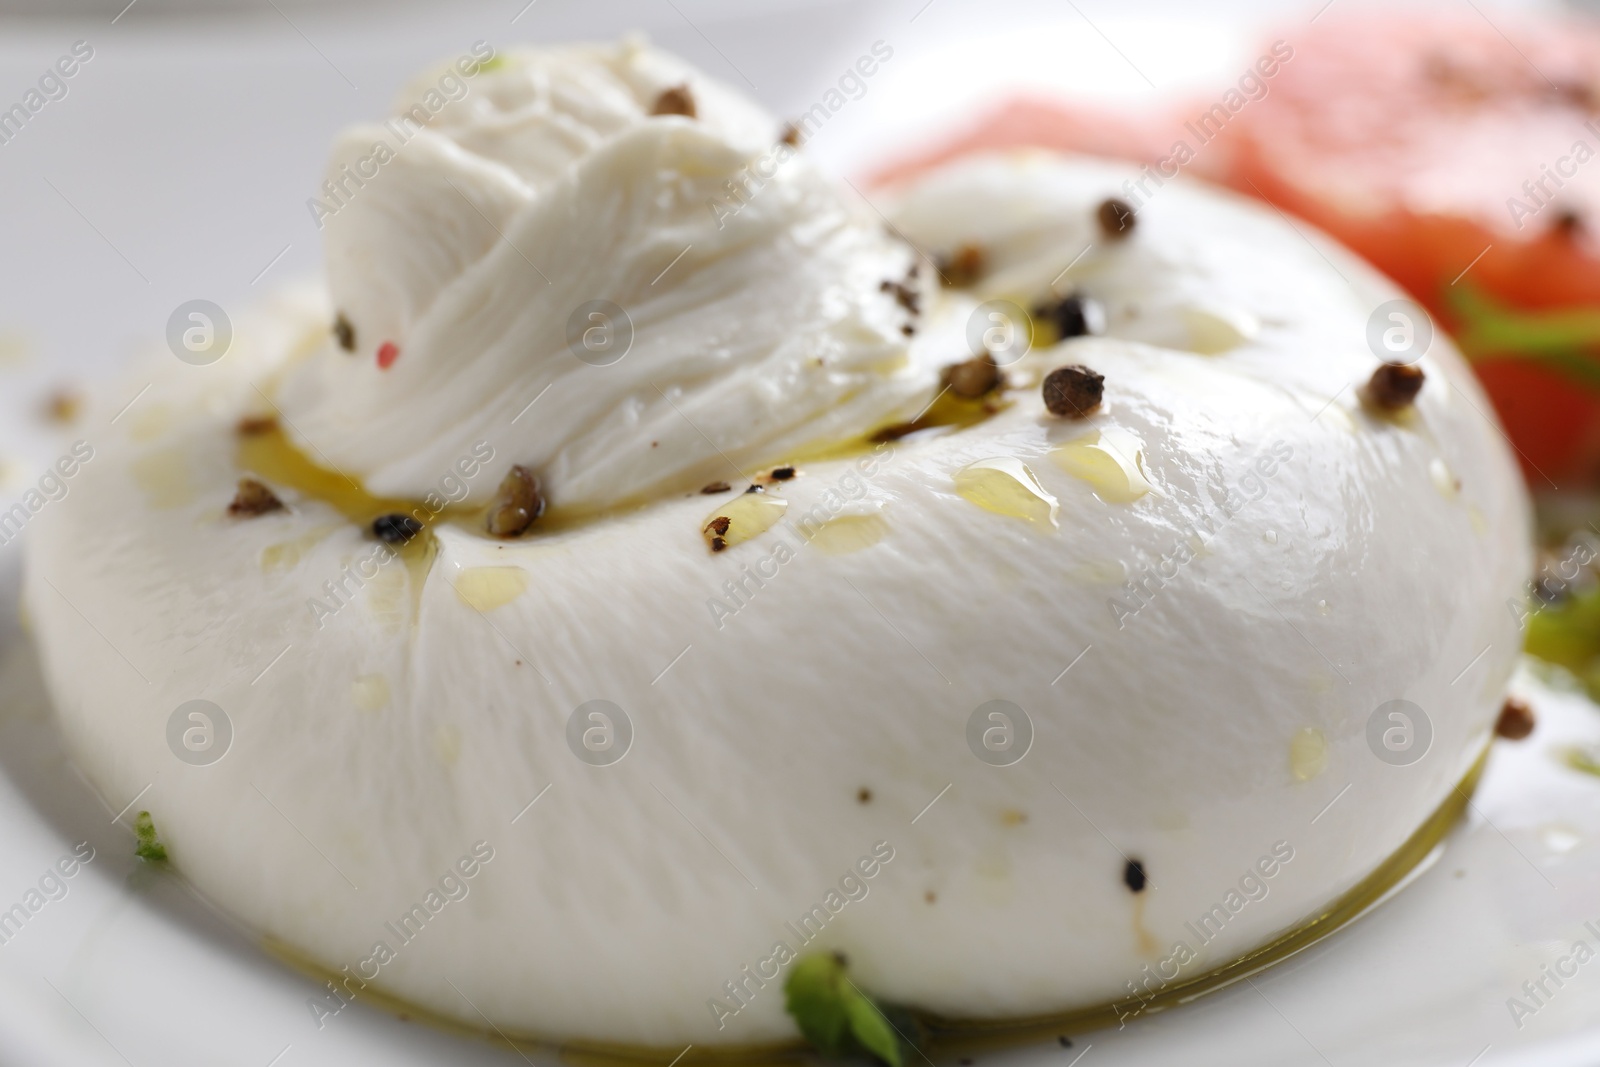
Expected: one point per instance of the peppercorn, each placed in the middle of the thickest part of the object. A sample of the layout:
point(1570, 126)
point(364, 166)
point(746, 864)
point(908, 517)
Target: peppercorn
point(1073, 392)
point(963, 267)
point(1133, 876)
point(517, 503)
point(1071, 316)
point(395, 529)
point(973, 378)
point(1116, 218)
point(1516, 720)
point(675, 101)
point(1393, 386)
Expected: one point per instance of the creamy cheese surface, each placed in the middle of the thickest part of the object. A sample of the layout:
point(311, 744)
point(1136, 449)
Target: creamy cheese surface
point(1191, 606)
point(627, 300)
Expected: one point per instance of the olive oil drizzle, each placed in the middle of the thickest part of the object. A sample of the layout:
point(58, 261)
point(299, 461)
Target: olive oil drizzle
point(275, 459)
point(949, 1036)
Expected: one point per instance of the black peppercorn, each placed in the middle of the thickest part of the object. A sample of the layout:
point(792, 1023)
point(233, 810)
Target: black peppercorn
point(395, 529)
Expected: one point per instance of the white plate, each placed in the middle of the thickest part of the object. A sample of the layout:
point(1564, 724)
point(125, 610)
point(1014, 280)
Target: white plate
point(178, 166)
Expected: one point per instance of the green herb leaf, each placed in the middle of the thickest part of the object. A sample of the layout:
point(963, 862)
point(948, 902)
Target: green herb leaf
point(1490, 327)
point(1583, 758)
point(1567, 634)
point(834, 1015)
point(148, 846)
point(1565, 341)
point(813, 996)
point(871, 1029)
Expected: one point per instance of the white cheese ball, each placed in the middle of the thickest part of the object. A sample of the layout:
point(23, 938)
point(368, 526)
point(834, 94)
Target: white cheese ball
point(1194, 603)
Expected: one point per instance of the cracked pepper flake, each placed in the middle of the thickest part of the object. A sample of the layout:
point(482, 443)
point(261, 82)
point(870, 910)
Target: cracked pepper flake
point(963, 267)
point(252, 499)
point(716, 532)
point(344, 332)
point(675, 101)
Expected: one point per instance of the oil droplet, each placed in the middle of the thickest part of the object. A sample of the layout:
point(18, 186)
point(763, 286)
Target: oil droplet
point(1100, 572)
point(1216, 330)
point(1013, 817)
point(14, 350)
point(1308, 753)
point(285, 555)
point(992, 866)
point(370, 692)
point(1005, 486)
point(849, 533)
point(151, 423)
point(1271, 537)
point(1173, 820)
point(418, 554)
point(749, 515)
point(1585, 758)
point(387, 597)
point(486, 588)
point(280, 557)
point(447, 742)
point(1148, 945)
point(164, 477)
point(276, 461)
point(1336, 416)
point(1559, 838)
point(311, 338)
point(1110, 459)
point(1448, 484)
